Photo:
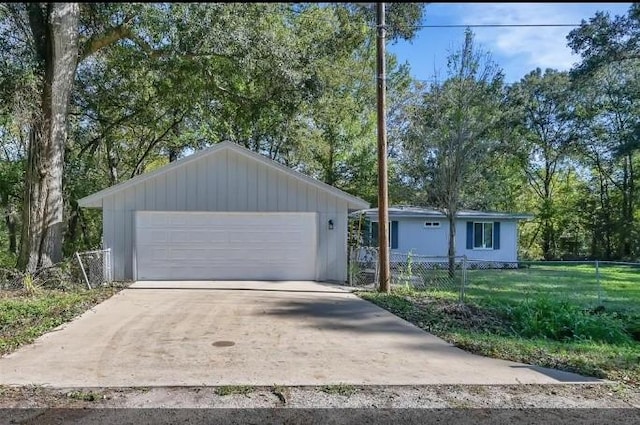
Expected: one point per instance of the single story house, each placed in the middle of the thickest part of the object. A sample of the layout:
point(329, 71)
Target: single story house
point(225, 213)
point(487, 236)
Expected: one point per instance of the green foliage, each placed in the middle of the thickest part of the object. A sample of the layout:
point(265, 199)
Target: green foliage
point(23, 318)
point(28, 284)
point(616, 288)
point(406, 273)
point(401, 18)
point(234, 389)
point(450, 134)
point(541, 118)
point(562, 320)
point(604, 39)
point(486, 327)
point(339, 389)
point(296, 82)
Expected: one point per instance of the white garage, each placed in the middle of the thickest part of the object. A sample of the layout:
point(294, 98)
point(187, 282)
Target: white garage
point(225, 213)
point(225, 246)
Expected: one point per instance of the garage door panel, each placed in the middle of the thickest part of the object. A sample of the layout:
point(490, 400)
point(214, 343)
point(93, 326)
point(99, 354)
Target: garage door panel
point(188, 245)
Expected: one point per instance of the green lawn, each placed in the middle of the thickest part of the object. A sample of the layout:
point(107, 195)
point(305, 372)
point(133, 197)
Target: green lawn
point(25, 317)
point(617, 288)
point(557, 316)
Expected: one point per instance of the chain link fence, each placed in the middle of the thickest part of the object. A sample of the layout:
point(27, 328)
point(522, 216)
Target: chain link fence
point(95, 267)
point(422, 272)
point(88, 269)
point(11, 279)
point(363, 266)
point(592, 284)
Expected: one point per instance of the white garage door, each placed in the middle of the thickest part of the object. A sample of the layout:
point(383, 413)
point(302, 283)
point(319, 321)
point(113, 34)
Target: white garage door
point(219, 246)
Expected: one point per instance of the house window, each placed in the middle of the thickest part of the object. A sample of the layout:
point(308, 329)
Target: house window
point(393, 234)
point(483, 235)
point(431, 224)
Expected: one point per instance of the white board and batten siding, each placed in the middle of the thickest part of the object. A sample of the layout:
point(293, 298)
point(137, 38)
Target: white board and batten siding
point(229, 180)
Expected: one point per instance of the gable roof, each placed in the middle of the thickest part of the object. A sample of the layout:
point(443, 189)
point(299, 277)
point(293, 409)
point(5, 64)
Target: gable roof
point(417, 212)
point(95, 200)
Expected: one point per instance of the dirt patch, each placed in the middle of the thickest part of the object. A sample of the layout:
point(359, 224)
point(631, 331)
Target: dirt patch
point(468, 316)
point(432, 397)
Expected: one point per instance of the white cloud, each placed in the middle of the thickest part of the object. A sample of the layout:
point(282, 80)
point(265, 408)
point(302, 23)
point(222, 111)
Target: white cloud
point(525, 48)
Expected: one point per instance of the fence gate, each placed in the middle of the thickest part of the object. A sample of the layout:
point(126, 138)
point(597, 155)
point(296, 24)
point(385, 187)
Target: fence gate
point(95, 267)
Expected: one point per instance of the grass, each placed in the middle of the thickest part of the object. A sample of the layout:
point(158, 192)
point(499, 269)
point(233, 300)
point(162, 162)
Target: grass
point(554, 316)
point(617, 288)
point(234, 389)
point(25, 316)
point(339, 389)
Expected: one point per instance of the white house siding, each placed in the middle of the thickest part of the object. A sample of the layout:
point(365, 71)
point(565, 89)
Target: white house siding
point(414, 236)
point(226, 181)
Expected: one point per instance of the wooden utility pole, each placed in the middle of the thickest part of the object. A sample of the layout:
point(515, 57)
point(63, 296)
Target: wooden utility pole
point(383, 195)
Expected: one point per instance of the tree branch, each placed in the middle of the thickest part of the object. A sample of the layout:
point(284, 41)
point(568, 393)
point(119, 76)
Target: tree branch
point(96, 43)
point(154, 143)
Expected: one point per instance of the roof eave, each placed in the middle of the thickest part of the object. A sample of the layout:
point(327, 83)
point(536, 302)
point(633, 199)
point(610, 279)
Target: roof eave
point(406, 214)
point(95, 200)
point(90, 202)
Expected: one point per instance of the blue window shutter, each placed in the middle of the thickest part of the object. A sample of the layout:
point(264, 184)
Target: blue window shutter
point(374, 233)
point(496, 235)
point(469, 234)
point(394, 235)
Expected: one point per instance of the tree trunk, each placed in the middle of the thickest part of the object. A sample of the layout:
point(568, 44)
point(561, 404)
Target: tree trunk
point(173, 154)
point(627, 208)
point(72, 224)
point(112, 163)
point(452, 245)
point(11, 220)
point(548, 231)
point(55, 30)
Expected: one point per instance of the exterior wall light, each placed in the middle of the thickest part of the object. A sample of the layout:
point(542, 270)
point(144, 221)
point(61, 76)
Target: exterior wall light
point(330, 224)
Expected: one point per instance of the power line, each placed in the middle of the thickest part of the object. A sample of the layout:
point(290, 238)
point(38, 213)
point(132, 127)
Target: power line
point(493, 25)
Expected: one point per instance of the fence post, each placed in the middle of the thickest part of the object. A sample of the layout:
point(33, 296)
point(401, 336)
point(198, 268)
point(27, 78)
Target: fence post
point(464, 278)
point(349, 267)
point(377, 280)
point(86, 279)
point(107, 264)
point(597, 264)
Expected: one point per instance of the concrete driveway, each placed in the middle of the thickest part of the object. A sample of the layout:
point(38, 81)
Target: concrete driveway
point(253, 333)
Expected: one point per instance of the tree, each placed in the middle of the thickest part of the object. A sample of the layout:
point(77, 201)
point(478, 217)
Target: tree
point(608, 119)
point(604, 40)
point(151, 82)
point(607, 78)
point(42, 44)
point(451, 132)
point(543, 116)
point(54, 28)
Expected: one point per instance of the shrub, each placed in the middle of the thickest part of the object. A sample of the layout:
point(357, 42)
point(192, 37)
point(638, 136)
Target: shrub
point(561, 320)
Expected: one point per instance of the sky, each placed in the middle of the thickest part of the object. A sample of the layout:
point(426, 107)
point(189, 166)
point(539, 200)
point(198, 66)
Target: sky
point(516, 50)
